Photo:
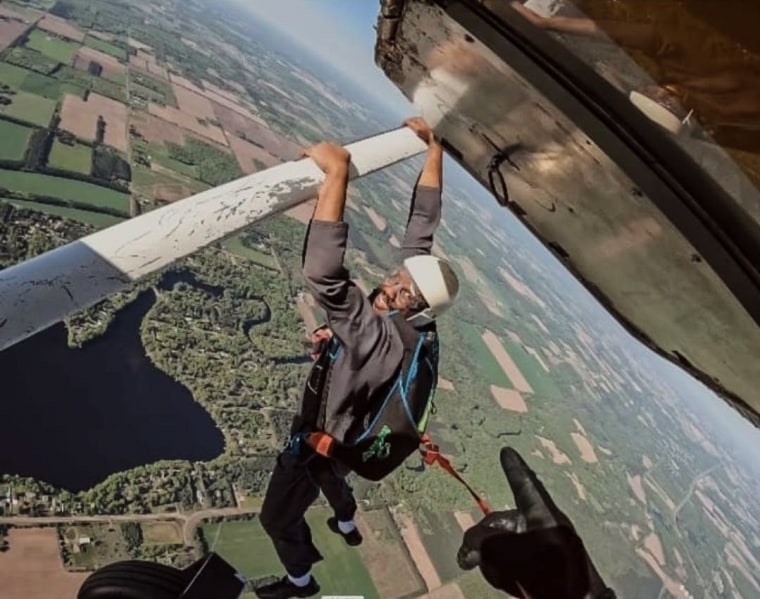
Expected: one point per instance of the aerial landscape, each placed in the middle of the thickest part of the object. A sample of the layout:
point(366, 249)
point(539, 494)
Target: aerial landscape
point(147, 425)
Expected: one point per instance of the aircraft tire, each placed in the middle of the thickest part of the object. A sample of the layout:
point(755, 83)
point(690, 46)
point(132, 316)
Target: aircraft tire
point(134, 579)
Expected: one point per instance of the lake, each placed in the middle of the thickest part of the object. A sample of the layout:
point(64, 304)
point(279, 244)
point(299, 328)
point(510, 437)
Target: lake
point(72, 417)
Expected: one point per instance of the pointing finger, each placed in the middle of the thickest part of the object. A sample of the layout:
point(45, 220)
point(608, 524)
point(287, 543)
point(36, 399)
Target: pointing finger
point(531, 497)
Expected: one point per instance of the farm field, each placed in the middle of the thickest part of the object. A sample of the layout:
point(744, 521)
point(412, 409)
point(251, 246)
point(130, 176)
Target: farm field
point(9, 32)
point(32, 568)
point(236, 246)
point(80, 118)
point(52, 46)
point(15, 140)
point(12, 75)
point(96, 219)
point(76, 158)
point(112, 68)
point(342, 572)
point(50, 87)
point(65, 189)
point(105, 47)
point(484, 358)
point(30, 109)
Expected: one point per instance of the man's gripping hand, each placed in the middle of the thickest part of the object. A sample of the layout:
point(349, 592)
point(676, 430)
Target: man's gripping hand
point(421, 128)
point(532, 551)
point(330, 157)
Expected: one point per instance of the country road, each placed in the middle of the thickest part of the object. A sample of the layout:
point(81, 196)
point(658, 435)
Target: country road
point(189, 521)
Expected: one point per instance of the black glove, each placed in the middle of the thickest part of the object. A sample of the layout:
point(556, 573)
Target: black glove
point(532, 551)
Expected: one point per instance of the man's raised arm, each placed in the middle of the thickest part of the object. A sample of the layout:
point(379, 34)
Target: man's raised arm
point(425, 210)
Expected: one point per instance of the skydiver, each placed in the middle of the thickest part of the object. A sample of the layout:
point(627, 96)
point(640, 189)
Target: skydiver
point(368, 358)
point(533, 551)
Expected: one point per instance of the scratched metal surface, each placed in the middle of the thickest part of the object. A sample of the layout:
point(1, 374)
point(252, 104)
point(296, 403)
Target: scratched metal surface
point(40, 292)
point(576, 199)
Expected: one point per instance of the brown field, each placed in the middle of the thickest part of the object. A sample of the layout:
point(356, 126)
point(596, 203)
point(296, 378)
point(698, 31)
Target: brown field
point(579, 488)
point(193, 103)
point(537, 356)
point(445, 384)
point(654, 546)
point(245, 153)
point(11, 14)
point(450, 591)
point(637, 487)
point(388, 564)
point(394, 241)
point(673, 586)
point(80, 118)
point(465, 520)
point(521, 288)
point(272, 142)
point(186, 83)
point(411, 536)
point(585, 448)
point(188, 122)
point(377, 220)
point(140, 63)
point(171, 192)
point(112, 68)
point(139, 45)
point(215, 89)
point(509, 399)
point(32, 567)
point(155, 129)
point(10, 31)
point(659, 491)
point(61, 27)
point(101, 35)
point(558, 456)
point(507, 364)
point(538, 454)
point(166, 533)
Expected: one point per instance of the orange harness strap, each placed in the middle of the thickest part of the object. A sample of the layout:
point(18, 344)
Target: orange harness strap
point(432, 455)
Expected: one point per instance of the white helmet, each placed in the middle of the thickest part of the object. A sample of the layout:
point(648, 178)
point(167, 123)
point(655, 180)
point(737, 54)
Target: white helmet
point(436, 281)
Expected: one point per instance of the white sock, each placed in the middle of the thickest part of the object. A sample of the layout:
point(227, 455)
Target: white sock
point(346, 527)
point(301, 581)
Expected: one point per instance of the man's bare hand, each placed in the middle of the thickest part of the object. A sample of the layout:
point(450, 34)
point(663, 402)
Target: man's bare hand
point(330, 157)
point(421, 128)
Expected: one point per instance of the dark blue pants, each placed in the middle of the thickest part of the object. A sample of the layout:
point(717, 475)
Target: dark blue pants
point(295, 484)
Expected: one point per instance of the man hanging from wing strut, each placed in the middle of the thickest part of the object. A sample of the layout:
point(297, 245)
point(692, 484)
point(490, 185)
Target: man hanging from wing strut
point(366, 344)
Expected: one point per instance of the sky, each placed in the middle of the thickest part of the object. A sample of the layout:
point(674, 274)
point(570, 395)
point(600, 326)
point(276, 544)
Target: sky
point(340, 32)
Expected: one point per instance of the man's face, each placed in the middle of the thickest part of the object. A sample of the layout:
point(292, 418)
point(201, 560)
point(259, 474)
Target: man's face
point(396, 292)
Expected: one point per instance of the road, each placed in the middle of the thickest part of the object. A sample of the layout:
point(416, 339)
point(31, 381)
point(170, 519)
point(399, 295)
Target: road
point(188, 521)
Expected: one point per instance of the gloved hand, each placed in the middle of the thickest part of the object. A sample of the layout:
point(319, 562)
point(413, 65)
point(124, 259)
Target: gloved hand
point(532, 551)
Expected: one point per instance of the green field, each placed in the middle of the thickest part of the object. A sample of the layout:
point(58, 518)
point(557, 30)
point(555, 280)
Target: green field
point(96, 219)
point(105, 47)
point(30, 109)
point(76, 158)
point(15, 139)
point(52, 46)
point(482, 356)
point(245, 545)
point(65, 189)
point(12, 75)
point(49, 87)
point(537, 377)
point(236, 246)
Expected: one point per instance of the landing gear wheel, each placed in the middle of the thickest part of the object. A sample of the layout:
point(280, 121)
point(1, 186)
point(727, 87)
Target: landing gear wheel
point(135, 580)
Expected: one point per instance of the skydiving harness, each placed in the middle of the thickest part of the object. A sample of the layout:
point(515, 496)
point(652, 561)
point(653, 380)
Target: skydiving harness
point(395, 428)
